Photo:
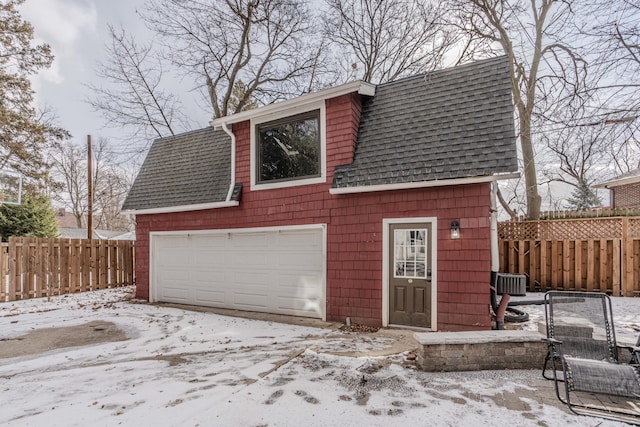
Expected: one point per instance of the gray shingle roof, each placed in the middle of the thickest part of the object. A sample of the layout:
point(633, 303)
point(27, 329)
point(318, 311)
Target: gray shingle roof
point(453, 123)
point(187, 169)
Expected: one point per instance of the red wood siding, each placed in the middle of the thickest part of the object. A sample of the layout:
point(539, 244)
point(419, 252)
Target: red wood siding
point(354, 230)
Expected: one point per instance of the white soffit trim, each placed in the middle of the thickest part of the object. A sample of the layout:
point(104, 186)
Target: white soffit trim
point(363, 88)
point(184, 208)
point(422, 184)
point(618, 182)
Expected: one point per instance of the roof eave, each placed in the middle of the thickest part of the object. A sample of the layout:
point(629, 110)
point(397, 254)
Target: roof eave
point(360, 87)
point(424, 184)
point(183, 208)
point(618, 182)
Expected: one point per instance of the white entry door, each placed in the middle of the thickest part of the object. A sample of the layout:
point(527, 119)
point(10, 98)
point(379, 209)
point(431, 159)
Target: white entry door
point(268, 270)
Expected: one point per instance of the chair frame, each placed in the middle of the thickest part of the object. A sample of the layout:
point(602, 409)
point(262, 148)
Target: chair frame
point(556, 361)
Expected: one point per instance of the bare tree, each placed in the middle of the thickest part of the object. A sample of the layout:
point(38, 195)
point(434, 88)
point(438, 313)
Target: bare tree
point(580, 152)
point(384, 40)
point(613, 32)
point(613, 29)
point(112, 187)
point(534, 35)
point(626, 32)
point(269, 45)
point(131, 96)
point(69, 162)
point(111, 184)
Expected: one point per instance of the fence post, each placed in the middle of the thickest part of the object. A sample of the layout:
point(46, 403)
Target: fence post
point(4, 271)
point(616, 272)
point(626, 270)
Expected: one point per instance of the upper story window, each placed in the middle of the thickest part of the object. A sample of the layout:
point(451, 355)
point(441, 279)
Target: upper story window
point(289, 150)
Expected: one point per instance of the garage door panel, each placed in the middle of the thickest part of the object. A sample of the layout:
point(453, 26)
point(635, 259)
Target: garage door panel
point(174, 257)
point(297, 261)
point(250, 300)
point(250, 240)
point(248, 258)
point(293, 305)
point(209, 276)
point(307, 289)
point(210, 297)
point(278, 271)
point(175, 294)
point(252, 279)
point(173, 275)
point(301, 239)
point(297, 281)
point(206, 258)
point(208, 241)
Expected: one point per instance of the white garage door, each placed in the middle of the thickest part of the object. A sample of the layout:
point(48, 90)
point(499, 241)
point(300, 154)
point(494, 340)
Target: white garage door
point(274, 271)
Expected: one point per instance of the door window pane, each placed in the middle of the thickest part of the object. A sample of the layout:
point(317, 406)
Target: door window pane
point(410, 253)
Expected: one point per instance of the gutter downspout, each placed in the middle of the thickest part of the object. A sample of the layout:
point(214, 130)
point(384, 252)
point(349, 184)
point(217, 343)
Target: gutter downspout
point(493, 210)
point(233, 160)
point(495, 260)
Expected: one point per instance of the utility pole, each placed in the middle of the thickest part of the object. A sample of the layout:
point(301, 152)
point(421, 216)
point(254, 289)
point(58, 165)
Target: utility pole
point(89, 190)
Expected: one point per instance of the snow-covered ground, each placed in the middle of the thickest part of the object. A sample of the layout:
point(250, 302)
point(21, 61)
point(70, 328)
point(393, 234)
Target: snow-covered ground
point(186, 368)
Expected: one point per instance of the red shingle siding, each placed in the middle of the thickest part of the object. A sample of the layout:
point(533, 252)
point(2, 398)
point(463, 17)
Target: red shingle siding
point(626, 196)
point(343, 117)
point(354, 230)
point(242, 131)
point(354, 259)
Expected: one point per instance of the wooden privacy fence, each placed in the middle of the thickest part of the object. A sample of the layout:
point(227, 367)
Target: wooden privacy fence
point(595, 254)
point(34, 267)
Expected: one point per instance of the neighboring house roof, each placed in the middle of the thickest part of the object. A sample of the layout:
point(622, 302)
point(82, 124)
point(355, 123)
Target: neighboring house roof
point(453, 123)
point(66, 219)
point(188, 169)
point(81, 233)
point(631, 177)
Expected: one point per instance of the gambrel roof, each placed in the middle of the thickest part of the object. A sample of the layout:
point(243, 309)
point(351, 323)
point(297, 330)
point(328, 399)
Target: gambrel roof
point(192, 168)
point(447, 124)
point(456, 123)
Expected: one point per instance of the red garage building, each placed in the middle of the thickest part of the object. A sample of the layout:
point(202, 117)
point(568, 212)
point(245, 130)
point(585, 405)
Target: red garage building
point(361, 201)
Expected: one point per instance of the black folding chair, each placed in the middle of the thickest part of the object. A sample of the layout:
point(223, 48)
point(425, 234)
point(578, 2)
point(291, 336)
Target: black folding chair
point(583, 357)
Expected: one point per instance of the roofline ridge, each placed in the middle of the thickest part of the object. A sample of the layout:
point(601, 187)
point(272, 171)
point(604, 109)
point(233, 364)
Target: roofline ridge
point(478, 63)
point(183, 134)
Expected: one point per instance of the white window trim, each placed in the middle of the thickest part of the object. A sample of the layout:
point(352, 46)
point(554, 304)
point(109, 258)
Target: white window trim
point(386, 222)
point(426, 245)
point(323, 147)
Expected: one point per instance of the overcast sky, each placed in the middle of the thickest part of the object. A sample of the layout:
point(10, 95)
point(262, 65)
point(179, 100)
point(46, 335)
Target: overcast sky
point(76, 30)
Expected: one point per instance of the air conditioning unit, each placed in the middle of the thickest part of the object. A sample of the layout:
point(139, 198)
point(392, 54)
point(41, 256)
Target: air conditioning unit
point(511, 284)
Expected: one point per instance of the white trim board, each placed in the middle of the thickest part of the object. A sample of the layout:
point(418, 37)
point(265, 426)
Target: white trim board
point(386, 222)
point(360, 87)
point(422, 184)
point(181, 208)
